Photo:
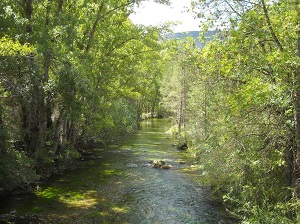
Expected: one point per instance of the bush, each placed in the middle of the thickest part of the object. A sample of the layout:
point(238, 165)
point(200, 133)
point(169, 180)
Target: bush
point(16, 169)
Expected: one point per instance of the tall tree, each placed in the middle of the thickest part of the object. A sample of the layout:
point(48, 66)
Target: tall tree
point(249, 115)
point(85, 63)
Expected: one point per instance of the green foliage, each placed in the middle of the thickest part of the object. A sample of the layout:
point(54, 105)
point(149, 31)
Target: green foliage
point(241, 116)
point(179, 78)
point(16, 169)
point(8, 47)
point(71, 73)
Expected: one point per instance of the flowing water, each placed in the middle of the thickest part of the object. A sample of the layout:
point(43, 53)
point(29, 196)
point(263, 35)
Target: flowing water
point(118, 185)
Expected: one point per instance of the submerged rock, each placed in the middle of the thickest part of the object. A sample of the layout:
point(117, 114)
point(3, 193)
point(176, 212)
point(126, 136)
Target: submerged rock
point(165, 167)
point(160, 164)
point(157, 163)
point(183, 147)
point(181, 162)
point(132, 165)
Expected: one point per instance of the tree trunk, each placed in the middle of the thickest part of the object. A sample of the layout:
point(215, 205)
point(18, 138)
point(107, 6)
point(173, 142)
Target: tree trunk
point(48, 8)
point(296, 104)
point(25, 125)
point(30, 107)
point(182, 105)
point(33, 129)
point(27, 5)
point(59, 8)
point(42, 128)
point(71, 134)
point(64, 133)
point(43, 99)
point(57, 132)
point(296, 149)
point(290, 164)
point(2, 132)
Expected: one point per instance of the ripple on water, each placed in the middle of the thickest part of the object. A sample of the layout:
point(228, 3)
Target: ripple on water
point(166, 197)
point(129, 192)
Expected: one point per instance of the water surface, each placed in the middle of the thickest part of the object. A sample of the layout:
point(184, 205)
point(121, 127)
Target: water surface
point(119, 185)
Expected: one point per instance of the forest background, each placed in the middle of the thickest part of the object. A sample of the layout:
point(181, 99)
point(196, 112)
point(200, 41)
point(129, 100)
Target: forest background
point(78, 73)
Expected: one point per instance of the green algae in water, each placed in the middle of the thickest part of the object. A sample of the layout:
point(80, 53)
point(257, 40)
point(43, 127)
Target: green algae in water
point(108, 191)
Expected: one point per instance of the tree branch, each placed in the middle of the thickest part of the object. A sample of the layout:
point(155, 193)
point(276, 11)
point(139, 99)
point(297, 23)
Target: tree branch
point(93, 30)
point(270, 25)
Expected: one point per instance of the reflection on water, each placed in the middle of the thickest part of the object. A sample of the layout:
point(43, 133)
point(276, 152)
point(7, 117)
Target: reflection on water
point(119, 186)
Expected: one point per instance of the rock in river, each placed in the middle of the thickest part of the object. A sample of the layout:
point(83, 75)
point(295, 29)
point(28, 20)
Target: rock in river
point(160, 164)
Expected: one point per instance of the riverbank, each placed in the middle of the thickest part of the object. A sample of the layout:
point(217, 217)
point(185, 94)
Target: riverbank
point(118, 185)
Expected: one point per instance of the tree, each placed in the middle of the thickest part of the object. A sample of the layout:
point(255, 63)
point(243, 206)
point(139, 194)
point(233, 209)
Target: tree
point(178, 78)
point(77, 77)
point(244, 108)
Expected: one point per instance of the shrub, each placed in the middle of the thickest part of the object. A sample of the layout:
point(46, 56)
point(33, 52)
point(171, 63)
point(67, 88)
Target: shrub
point(16, 169)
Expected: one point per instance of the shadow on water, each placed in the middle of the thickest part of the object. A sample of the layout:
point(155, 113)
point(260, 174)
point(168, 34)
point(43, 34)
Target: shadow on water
point(119, 185)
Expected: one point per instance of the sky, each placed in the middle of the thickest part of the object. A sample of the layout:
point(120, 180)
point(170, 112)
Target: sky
point(151, 13)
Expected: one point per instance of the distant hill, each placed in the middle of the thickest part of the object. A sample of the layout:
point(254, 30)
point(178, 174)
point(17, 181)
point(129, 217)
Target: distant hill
point(194, 34)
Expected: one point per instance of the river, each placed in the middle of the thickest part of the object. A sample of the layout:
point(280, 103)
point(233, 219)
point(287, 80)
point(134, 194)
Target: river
point(118, 185)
